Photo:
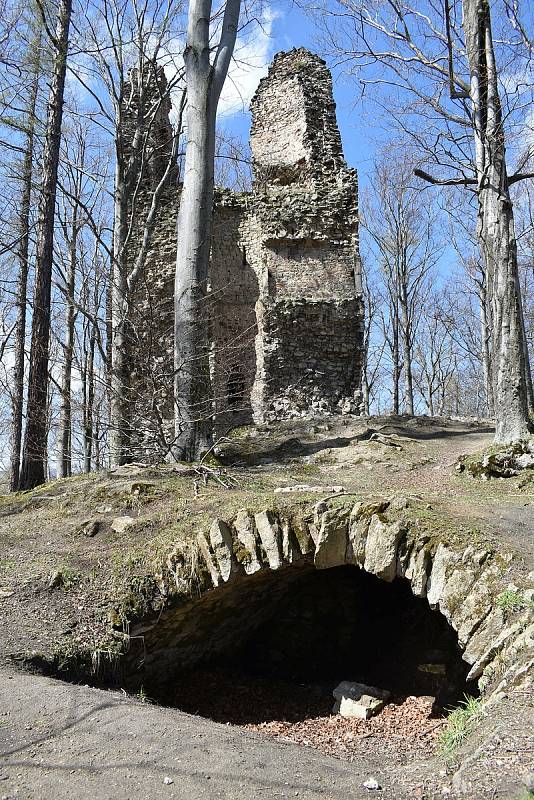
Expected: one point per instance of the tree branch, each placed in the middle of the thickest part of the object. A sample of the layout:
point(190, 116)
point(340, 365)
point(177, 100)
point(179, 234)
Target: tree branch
point(419, 173)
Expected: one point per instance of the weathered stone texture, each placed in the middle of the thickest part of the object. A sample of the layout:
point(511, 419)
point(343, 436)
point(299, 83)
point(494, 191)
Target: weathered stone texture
point(284, 308)
point(304, 212)
point(465, 585)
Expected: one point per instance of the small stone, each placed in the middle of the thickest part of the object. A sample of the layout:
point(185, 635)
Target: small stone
point(364, 708)
point(371, 783)
point(167, 781)
point(120, 524)
point(89, 528)
point(529, 782)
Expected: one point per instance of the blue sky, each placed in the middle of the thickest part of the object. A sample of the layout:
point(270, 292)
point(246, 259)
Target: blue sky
point(285, 26)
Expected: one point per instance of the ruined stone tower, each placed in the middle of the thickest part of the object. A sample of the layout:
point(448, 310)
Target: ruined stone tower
point(285, 308)
point(303, 222)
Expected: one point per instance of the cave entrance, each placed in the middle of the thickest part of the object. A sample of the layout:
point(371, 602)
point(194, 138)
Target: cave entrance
point(282, 641)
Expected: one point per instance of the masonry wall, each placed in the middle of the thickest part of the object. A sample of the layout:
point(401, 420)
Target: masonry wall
point(304, 214)
point(234, 291)
point(284, 309)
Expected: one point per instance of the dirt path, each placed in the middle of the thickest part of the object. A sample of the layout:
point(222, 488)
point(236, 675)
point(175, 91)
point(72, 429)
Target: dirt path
point(63, 742)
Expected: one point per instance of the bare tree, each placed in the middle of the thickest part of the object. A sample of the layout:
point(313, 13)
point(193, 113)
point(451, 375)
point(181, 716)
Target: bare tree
point(34, 449)
point(132, 97)
point(446, 99)
point(510, 369)
point(401, 227)
point(23, 251)
point(372, 347)
point(204, 82)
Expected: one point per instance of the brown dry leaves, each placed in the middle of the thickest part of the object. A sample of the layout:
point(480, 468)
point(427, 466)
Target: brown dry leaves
point(404, 725)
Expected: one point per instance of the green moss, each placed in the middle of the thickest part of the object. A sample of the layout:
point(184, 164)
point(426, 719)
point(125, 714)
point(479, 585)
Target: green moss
point(495, 461)
point(299, 525)
point(242, 554)
point(65, 578)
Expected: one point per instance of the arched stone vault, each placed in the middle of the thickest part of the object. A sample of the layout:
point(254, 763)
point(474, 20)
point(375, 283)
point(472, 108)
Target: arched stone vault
point(232, 567)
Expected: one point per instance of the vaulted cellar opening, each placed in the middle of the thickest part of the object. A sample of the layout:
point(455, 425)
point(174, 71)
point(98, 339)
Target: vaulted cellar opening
point(274, 645)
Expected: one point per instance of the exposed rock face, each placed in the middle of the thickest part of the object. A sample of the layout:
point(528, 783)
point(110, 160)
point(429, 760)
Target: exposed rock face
point(285, 310)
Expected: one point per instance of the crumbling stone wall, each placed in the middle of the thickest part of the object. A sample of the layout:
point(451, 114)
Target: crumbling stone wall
point(233, 293)
point(304, 209)
point(284, 307)
point(150, 333)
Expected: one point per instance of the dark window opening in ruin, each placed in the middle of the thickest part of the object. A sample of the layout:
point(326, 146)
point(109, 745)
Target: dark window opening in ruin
point(235, 387)
point(280, 642)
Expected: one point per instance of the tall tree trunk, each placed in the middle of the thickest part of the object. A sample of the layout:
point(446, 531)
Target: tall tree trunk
point(430, 401)
point(528, 370)
point(22, 283)
point(485, 335)
point(119, 312)
point(65, 413)
point(34, 451)
point(406, 348)
point(396, 360)
point(204, 82)
point(192, 389)
point(496, 229)
point(89, 398)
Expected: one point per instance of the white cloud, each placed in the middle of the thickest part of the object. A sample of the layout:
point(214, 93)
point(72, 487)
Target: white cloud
point(252, 56)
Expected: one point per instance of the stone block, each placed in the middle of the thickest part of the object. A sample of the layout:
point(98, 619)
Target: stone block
point(270, 535)
point(222, 545)
point(357, 700)
point(245, 532)
point(120, 524)
point(331, 547)
point(381, 548)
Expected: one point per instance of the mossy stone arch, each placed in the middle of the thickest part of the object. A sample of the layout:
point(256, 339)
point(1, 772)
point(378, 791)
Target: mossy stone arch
point(239, 565)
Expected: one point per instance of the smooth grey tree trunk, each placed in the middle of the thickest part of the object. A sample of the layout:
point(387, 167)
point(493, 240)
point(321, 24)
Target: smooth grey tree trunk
point(406, 344)
point(65, 412)
point(34, 456)
point(119, 312)
point(485, 336)
point(204, 82)
point(396, 357)
point(496, 229)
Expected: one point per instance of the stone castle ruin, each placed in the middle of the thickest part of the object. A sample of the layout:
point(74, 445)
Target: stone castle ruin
point(284, 308)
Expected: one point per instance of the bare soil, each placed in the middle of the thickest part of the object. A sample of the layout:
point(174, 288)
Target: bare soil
point(58, 587)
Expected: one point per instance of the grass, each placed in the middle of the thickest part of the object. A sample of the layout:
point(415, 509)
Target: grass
point(509, 600)
point(64, 578)
point(460, 722)
point(142, 696)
